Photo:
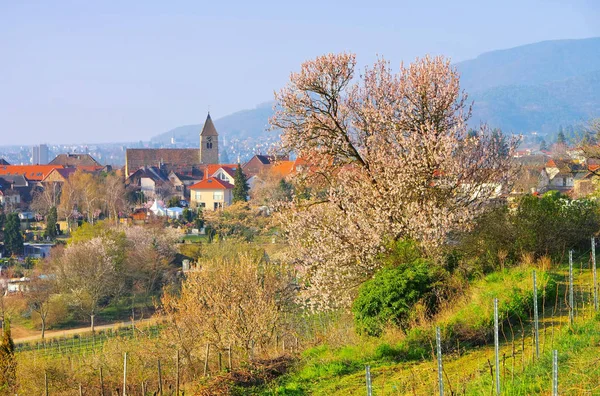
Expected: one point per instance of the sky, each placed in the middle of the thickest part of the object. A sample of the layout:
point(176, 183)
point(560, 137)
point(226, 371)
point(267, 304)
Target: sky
point(110, 71)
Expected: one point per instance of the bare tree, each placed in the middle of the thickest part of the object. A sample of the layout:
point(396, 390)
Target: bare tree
point(38, 297)
point(86, 271)
point(239, 301)
point(115, 200)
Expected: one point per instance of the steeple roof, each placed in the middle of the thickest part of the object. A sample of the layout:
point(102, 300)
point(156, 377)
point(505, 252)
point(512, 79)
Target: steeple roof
point(209, 128)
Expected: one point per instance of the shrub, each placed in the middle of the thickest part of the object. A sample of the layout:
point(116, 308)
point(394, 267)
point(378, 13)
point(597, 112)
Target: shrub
point(391, 295)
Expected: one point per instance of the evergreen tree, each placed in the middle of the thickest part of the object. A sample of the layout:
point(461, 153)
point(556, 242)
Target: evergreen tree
point(2, 223)
point(241, 188)
point(199, 220)
point(187, 215)
point(174, 202)
point(8, 363)
point(560, 139)
point(543, 145)
point(51, 220)
point(13, 240)
point(285, 191)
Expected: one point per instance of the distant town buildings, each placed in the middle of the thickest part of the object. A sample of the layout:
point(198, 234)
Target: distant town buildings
point(173, 159)
point(39, 154)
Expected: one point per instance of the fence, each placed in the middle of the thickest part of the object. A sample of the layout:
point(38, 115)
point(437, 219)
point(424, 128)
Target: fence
point(515, 347)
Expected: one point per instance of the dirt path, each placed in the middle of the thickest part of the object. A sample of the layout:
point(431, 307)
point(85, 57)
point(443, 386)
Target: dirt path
point(80, 330)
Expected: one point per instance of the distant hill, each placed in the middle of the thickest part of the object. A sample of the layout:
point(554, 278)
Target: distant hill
point(241, 125)
point(535, 87)
point(531, 64)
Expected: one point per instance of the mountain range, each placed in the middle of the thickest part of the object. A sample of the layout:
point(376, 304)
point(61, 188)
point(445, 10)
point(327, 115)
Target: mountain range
point(534, 87)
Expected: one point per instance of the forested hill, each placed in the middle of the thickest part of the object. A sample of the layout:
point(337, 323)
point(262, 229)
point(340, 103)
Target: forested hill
point(534, 87)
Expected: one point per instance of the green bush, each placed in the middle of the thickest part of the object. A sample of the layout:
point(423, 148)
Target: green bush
point(391, 295)
point(547, 225)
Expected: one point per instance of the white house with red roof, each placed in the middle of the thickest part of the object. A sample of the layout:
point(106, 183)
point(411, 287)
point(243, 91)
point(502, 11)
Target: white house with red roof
point(211, 194)
point(226, 173)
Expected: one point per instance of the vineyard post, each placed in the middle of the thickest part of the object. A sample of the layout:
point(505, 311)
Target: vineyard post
point(594, 274)
point(177, 373)
point(496, 346)
point(125, 374)
point(438, 341)
point(160, 391)
point(101, 382)
point(535, 318)
point(369, 386)
point(229, 357)
point(571, 287)
point(554, 372)
point(206, 359)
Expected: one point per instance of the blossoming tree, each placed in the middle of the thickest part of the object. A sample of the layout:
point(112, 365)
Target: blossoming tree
point(391, 157)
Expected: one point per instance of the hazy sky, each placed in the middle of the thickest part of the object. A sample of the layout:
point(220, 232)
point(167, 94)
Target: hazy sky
point(75, 72)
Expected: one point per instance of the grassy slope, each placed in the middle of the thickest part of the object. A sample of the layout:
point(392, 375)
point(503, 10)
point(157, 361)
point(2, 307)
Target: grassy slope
point(340, 371)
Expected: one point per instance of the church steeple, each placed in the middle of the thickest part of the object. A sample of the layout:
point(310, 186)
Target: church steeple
point(209, 128)
point(209, 143)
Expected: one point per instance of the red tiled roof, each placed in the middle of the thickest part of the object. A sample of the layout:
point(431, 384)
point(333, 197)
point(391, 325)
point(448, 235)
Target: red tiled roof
point(227, 169)
point(283, 168)
point(30, 172)
point(212, 183)
point(210, 169)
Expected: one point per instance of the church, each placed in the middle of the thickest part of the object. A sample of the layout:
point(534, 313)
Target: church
point(177, 160)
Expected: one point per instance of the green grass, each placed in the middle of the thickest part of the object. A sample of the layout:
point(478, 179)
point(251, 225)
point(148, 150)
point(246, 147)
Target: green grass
point(405, 366)
point(195, 238)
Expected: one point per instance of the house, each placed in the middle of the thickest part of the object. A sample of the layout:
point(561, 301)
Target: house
point(278, 170)
point(33, 173)
point(153, 182)
point(75, 160)
point(16, 285)
point(211, 194)
point(37, 250)
point(559, 175)
point(226, 173)
point(260, 163)
point(61, 175)
point(9, 195)
point(182, 181)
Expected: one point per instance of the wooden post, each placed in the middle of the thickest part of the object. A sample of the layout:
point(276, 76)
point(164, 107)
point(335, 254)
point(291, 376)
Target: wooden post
point(177, 373)
point(220, 362)
point(229, 357)
point(125, 374)
point(160, 392)
point(101, 383)
point(80, 390)
point(46, 383)
point(206, 360)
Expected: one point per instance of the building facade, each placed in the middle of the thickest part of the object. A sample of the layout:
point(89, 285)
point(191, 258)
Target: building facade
point(179, 160)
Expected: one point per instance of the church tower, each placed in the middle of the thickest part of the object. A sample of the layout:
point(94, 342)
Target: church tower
point(209, 143)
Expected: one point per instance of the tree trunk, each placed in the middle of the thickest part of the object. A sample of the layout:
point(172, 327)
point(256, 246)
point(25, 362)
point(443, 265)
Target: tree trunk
point(92, 321)
point(43, 326)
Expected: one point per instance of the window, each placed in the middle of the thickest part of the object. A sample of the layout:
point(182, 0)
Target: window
point(198, 196)
point(208, 145)
point(218, 196)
